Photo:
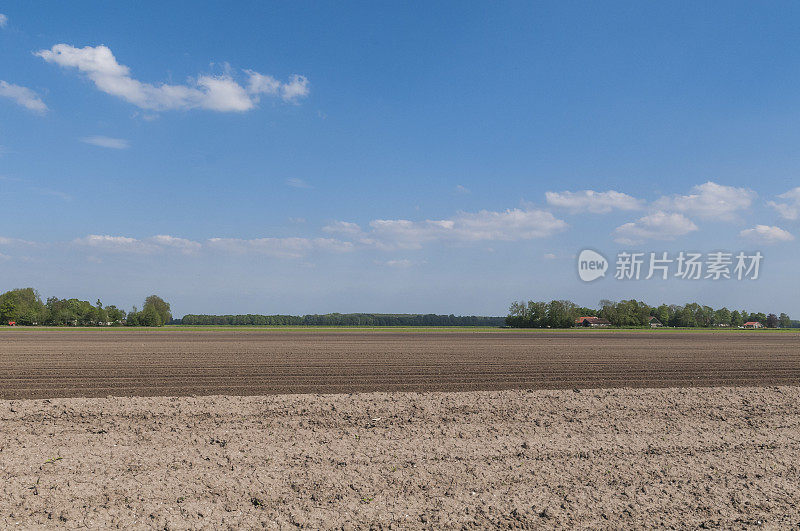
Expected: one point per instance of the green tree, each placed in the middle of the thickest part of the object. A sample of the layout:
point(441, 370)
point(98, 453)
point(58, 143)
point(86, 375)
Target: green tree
point(663, 314)
point(101, 313)
point(23, 306)
point(160, 306)
point(561, 314)
point(736, 318)
point(133, 318)
point(537, 314)
point(771, 321)
point(704, 316)
point(722, 317)
point(83, 313)
point(150, 317)
point(517, 315)
point(608, 310)
point(59, 313)
point(626, 313)
point(115, 315)
point(686, 315)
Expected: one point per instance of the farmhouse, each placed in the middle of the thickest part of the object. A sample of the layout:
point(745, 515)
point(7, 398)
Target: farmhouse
point(593, 322)
point(753, 324)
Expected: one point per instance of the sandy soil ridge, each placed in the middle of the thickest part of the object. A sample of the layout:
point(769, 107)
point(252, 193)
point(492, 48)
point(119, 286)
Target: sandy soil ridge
point(614, 458)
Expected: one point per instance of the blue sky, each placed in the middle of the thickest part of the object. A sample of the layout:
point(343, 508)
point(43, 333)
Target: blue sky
point(394, 157)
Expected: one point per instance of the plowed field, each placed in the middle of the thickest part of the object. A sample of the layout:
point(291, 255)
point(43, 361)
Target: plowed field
point(48, 363)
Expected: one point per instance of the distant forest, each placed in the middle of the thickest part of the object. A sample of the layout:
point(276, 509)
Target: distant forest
point(632, 313)
point(342, 319)
point(25, 307)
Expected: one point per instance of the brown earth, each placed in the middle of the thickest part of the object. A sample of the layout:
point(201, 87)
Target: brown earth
point(612, 458)
point(46, 363)
point(680, 457)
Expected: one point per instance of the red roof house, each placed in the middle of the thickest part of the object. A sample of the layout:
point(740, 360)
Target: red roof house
point(593, 322)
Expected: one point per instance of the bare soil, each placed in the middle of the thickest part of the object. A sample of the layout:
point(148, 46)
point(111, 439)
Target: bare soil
point(624, 431)
point(48, 363)
point(612, 458)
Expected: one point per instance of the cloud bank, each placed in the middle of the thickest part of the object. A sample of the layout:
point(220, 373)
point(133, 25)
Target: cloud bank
point(123, 244)
point(106, 142)
point(656, 226)
point(509, 225)
point(766, 234)
point(709, 201)
point(593, 202)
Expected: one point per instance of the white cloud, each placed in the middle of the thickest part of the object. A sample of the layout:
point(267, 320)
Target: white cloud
point(710, 201)
point(23, 96)
point(766, 234)
point(790, 208)
point(656, 226)
point(593, 202)
point(294, 182)
point(510, 225)
point(223, 94)
point(217, 93)
point(124, 244)
point(106, 142)
point(342, 227)
point(262, 84)
point(296, 88)
point(279, 247)
point(3, 20)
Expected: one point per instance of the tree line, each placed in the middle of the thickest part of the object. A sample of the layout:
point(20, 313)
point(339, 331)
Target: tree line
point(342, 319)
point(563, 314)
point(25, 307)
